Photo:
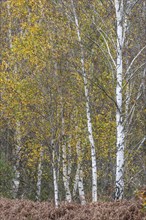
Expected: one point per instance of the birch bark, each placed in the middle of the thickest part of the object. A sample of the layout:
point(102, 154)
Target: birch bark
point(88, 113)
point(39, 177)
point(69, 159)
point(80, 175)
point(65, 167)
point(56, 197)
point(65, 174)
point(78, 182)
point(16, 179)
point(81, 187)
point(119, 120)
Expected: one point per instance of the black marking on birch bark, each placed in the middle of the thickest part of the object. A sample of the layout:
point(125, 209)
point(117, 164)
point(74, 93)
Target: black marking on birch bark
point(119, 191)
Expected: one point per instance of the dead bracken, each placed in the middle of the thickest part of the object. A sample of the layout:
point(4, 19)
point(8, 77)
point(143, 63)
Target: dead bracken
point(29, 210)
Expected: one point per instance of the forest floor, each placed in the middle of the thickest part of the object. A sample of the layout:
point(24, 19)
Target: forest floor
point(29, 210)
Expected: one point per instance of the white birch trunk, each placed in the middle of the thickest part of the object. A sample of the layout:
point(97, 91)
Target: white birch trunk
point(65, 165)
point(81, 187)
point(80, 175)
point(65, 174)
point(89, 124)
point(56, 197)
point(69, 160)
point(16, 179)
point(58, 163)
point(39, 177)
point(119, 119)
point(78, 182)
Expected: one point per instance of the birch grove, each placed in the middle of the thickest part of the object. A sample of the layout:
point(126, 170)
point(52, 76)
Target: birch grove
point(73, 100)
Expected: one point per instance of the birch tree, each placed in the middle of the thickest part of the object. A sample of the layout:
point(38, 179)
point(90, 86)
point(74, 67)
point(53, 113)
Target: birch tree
point(65, 165)
point(55, 182)
point(119, 8)
point(16, 179)
point(39, 176)
point(88, 112)
point(78, 182)
point(122, 27)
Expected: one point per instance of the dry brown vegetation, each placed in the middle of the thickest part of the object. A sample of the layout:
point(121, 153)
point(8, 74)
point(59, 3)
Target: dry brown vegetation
point(25, 209)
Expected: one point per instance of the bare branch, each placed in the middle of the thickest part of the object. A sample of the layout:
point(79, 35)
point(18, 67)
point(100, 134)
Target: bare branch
point(106, 43)
point(134, 59)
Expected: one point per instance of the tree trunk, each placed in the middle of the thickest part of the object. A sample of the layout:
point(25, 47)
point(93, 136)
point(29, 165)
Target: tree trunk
point(39, 177)
point(56, 198)
point(78, 182)
point(80, 175)
point(16, 179)
point(119, 119)
point(65, 167)
point(88, 114)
